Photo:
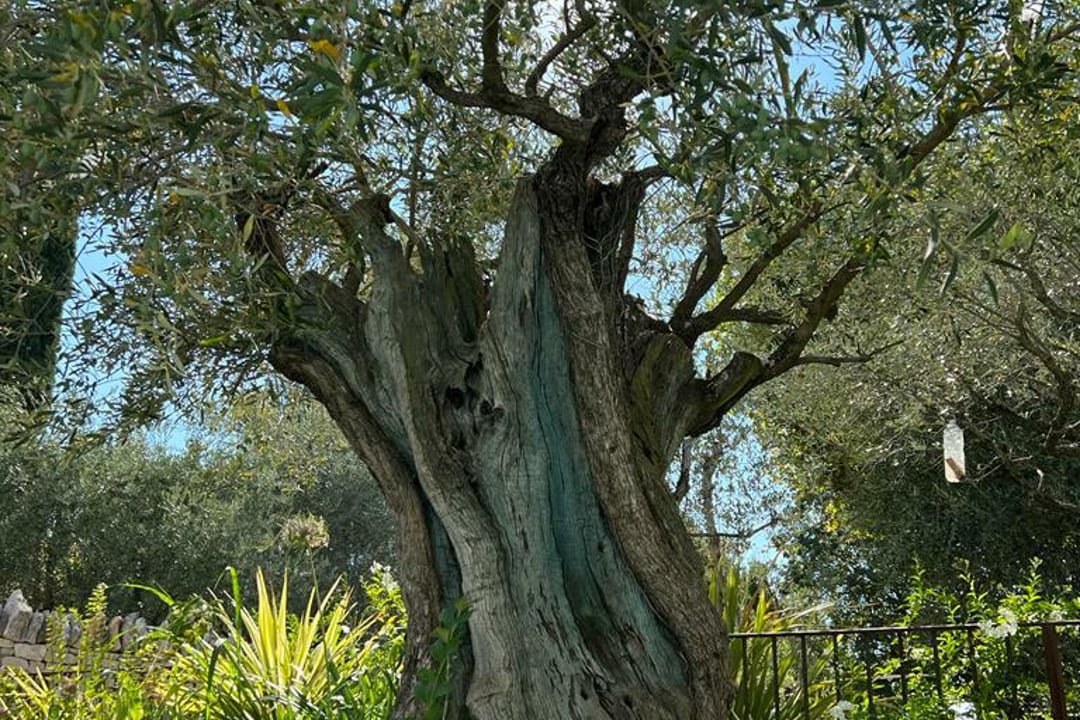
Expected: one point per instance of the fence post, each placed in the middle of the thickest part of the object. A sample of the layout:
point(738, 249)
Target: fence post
point(1054, 674)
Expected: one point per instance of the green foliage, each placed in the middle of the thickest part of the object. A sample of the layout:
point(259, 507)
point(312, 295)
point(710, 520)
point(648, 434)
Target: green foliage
point(225, 661)
point(138, 512)
point(98, 685)
point(269, 664)
point(436, 684)
point(994, 672)
point(987, 334)
point(290, 113)
point(747, 607)
point(41, 190)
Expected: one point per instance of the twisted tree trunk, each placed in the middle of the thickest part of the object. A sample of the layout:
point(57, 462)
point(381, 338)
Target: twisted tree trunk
point(520, 434)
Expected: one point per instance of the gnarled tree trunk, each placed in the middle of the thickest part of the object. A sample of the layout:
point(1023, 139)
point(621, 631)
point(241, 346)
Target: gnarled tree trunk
point(520, 434)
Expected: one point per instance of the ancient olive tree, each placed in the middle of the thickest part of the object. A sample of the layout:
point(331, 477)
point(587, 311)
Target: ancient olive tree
point(430, 215)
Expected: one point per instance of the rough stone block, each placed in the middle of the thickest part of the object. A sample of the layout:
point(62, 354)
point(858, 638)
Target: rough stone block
point(18, 616)
point(35, 633)
point(116, 626)
point(14, 662)
point(134, 628)
point(5, 643)
point(72, 630)
point(31, 652)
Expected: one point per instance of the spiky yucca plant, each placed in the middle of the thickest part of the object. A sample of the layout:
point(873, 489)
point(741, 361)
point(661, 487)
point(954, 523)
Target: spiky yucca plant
point(748, 608)
point(270, 665)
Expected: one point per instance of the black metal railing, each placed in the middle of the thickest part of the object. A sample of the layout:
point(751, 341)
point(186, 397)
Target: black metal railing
point(1020, 670)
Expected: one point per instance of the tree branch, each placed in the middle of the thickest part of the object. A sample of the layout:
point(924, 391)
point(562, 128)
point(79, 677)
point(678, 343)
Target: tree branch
point(587, 23)
point(723, 390)
point(531, 108)
point(756, 315)
point(773, 520)
point(823, 305)
point(491, 72)
point(682, 487)
point(705, 272)
point(1038, 289)
point(837, 361)
point(948, 120)
point(1064, 381)
point(692, 329)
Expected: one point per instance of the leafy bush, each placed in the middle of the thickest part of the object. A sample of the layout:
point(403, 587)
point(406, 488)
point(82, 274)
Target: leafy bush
point(223, 661)
point(993, 672)
point(274, 487)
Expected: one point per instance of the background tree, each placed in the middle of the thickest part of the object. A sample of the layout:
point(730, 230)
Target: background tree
point(276, 489)
point(428, 214)
point(988, 330)
point(39, 212)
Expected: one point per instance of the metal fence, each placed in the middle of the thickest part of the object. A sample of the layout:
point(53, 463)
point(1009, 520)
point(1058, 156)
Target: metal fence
point(877, 666)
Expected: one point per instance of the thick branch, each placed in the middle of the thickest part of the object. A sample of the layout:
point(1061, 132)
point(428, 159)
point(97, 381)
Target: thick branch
point(1038, 289)
point(757, 316)
point(492, 73)
point(531, 108)
point(1065, 387)
point(722, 391)
point(706, 271)
point(682, 487)
point(948, 120)
point(823, 305)
point(692, 329)
point(423, 591)
point(746, 371)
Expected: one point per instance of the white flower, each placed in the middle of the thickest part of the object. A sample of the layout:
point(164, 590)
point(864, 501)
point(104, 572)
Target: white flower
point(389, 584)
point(963, 710)
point(840, 710)
point(1032, 11)
point(1007, 625)
point(1056, 616)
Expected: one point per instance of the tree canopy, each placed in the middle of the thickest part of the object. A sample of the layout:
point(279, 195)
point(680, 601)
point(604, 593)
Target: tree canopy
point(986, 335)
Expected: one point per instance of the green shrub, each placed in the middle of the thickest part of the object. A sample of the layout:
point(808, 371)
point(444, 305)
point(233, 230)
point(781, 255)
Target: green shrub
point(223, 661)
point(994, 672)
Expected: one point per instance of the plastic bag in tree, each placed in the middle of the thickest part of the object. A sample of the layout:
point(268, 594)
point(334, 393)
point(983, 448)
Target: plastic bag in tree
point(953, 442)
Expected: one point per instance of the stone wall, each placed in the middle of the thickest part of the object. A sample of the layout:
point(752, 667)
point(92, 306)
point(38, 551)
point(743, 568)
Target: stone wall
point(23, 637)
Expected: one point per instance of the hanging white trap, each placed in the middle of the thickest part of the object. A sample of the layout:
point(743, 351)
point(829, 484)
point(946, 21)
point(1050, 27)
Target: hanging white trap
point(952, 441)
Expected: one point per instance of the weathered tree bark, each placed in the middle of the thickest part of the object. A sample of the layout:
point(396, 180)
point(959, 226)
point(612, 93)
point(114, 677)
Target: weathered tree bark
point(520, 434)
